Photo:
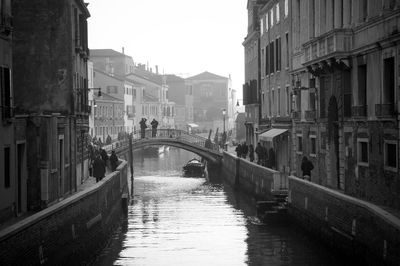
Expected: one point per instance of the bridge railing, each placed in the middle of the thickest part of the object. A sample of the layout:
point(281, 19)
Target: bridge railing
point(177, 134)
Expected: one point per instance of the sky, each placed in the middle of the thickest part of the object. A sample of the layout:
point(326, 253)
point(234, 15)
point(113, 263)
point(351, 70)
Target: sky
point(182, 37)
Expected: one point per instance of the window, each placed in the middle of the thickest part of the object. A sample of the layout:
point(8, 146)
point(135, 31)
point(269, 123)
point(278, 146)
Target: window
point(267, 69)
point(6, 94)
point(273, 99)
point(278, 53)
point(271, 18)
point(313, 146)
point(362, 85)
point(312, 101)
point(299, 143)
point(277, 12)
point(388, 80)
point(287, 100)
point(390, 150)
point(279, 101)
point(262, 63)
point(286, 8)
point(271, 58)
point(7, 167)
point(287, 50)
point(362, 152)
point(262, 26)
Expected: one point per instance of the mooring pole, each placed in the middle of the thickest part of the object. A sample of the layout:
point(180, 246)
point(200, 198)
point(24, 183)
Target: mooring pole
point(131, 161)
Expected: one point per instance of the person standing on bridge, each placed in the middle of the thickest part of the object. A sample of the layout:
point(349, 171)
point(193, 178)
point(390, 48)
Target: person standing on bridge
point(154, 125)
point(306, 167)
point(143, 127)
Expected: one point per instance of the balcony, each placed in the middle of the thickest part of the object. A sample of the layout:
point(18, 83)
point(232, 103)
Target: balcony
point(384, 110)
point(311, 115)
point(296, 115)
point(359, 111)
point(331, 44)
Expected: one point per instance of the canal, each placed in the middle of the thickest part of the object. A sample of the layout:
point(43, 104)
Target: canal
point(189, 221)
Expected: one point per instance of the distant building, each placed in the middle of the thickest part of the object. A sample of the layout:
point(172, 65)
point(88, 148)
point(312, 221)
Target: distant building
point(112, 62)
point(13, 146)
point(240, 128)
point(51, 89)
point(210, 97)
point(91, 101)
point(153, 100)
point(108, 117)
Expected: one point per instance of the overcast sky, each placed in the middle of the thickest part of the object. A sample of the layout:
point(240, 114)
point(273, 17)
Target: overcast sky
point(180, 36)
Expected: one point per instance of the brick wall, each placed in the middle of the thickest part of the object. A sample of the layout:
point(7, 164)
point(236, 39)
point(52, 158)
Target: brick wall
point(70, 231)
point(249, 177)
point(351, 225)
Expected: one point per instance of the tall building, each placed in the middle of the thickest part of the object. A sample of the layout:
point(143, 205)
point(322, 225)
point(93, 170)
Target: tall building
point(210, 98)
point(345, 65)
point(252, 67)
point(13, 147)
point(111, 66)
point(275, 26)
point(50, 87)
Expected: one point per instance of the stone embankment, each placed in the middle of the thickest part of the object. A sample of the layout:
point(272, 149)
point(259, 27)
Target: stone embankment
point(71, 231)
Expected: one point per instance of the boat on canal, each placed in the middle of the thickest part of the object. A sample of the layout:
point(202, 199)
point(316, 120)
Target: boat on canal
point(193, 168)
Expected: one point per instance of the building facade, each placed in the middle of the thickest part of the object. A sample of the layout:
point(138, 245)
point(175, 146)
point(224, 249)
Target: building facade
point(345, 71)
point(50, 88)
point(108, 117)
point(13, 170)
point(252, 72)
point(210, 97)
point(275, 50)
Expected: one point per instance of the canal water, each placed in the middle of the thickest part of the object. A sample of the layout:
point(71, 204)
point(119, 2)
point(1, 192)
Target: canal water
point(190, 221)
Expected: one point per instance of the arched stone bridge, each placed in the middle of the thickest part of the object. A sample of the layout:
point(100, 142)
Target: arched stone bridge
point(170, 137)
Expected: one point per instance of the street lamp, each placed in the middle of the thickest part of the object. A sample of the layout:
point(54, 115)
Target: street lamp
point(224, 132)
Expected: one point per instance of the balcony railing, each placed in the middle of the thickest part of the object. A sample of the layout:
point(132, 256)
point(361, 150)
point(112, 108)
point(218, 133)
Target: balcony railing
point(359, 111)
point(310, 115)
point(384, 109)
point(335, 41)
point(296, 115)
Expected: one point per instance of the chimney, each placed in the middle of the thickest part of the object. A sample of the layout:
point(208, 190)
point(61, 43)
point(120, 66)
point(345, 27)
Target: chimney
point(156, 69)
point(123, 50)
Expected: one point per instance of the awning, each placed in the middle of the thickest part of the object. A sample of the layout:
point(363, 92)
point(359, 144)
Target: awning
point(271, 134)
point(192, 125)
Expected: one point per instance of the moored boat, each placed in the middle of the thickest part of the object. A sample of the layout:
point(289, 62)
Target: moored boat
point(193, 168)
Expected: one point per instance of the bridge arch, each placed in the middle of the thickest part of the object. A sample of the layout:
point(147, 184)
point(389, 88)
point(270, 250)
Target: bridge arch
point(210, 155)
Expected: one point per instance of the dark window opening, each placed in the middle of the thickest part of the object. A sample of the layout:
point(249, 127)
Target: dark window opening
point(362, 85)
point(363, 152)
point(6, 167)
point(299, 144)
point(391, 155)
point(388, 80)
point(313, 146)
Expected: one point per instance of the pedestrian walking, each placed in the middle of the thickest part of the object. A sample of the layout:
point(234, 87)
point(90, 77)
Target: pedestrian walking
point(104, 156)
point(239, 150)
point(245, 150)
point(251, 153)
point(113, 161)
point(306, 167)
point(99, 168)
point(143, 127)
point(260, 153)
point(154, 125)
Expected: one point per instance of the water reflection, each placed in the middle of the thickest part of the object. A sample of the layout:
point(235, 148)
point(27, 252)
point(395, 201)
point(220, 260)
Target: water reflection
point(190, 221)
